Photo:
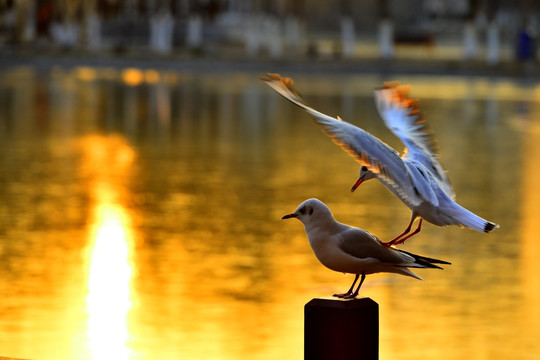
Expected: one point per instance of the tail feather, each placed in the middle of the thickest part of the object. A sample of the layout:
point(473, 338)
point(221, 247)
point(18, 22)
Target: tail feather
point(426, 262)
point(405, 271)
point(473, 221)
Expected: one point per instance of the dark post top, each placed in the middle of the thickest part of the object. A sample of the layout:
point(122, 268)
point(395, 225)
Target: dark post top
point(341, 329)
point(343, 304)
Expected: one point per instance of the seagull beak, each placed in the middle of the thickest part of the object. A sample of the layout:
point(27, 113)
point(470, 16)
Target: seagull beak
point(357, 183)
point(288, 216)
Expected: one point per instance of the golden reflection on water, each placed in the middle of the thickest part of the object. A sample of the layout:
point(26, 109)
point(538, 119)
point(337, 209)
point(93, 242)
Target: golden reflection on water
point(107, 160)
point(202, 168)
point(530, 228)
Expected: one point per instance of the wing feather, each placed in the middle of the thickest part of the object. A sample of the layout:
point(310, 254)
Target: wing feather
point(423, 183)
point(361, 244)
point(369, 151)
point(401, 115)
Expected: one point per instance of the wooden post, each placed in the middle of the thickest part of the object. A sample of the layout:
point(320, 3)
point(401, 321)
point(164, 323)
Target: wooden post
point(338, 329)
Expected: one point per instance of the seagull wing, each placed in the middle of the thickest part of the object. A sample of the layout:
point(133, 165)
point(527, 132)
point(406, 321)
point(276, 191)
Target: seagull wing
point(369, 151)
point(429, 168)
point(361, 244)
point(401, 115)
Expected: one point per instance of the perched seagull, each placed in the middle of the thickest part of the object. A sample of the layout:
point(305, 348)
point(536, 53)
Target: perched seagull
point(348, 249)
point(416, 178)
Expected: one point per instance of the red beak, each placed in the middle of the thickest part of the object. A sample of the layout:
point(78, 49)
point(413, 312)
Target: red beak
point(357, 183)
point(288, 216)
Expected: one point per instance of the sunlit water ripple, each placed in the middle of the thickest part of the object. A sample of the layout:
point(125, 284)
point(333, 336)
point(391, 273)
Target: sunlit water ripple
point(140, 216)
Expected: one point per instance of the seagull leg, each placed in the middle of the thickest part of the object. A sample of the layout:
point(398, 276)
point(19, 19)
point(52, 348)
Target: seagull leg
point(355, 294)
point(402, 240)
point(391, 242)
point(396, 240)
point(348, 293)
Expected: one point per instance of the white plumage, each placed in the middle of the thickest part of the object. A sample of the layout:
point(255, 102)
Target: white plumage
point(416, 178)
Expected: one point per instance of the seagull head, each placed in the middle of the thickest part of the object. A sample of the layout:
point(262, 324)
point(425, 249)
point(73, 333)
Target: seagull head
point(309, 211)
point(365, 174)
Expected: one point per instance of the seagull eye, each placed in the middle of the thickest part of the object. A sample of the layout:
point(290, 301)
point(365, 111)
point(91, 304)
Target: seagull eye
point(302, 210)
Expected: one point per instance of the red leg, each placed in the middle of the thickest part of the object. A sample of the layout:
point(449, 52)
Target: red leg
point(392, 242)
point(402, 240)
point(398, 238)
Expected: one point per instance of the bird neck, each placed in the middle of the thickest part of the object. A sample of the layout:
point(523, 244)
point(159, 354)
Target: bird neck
point(321, 226)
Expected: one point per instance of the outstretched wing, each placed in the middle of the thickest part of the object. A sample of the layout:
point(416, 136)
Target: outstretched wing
point(378, 157)
point(401, 115)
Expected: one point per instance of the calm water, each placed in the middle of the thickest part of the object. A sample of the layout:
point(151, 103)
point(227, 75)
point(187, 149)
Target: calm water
point(140, 217)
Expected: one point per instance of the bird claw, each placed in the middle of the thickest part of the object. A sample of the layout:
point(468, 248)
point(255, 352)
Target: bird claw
point(346, 295)
point(392, 243)
point(389, 243)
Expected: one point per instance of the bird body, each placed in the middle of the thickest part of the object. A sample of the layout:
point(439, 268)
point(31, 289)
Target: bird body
point(416, 178)
point(348, 249)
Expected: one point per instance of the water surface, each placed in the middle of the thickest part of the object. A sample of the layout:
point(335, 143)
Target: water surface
point(140, 216)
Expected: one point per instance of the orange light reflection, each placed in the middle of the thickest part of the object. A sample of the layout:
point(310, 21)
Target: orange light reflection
point(530, 252)
point(132, 76)
point(107, 162)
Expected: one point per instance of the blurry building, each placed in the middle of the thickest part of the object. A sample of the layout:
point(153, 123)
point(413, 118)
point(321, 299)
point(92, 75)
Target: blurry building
point(272, 27)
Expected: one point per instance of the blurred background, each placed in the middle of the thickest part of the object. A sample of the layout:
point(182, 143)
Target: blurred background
point(144, 171)
point(492, 31)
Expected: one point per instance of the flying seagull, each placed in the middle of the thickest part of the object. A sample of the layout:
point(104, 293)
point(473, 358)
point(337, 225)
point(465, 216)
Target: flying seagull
point(416, 177)
point(352, 250)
